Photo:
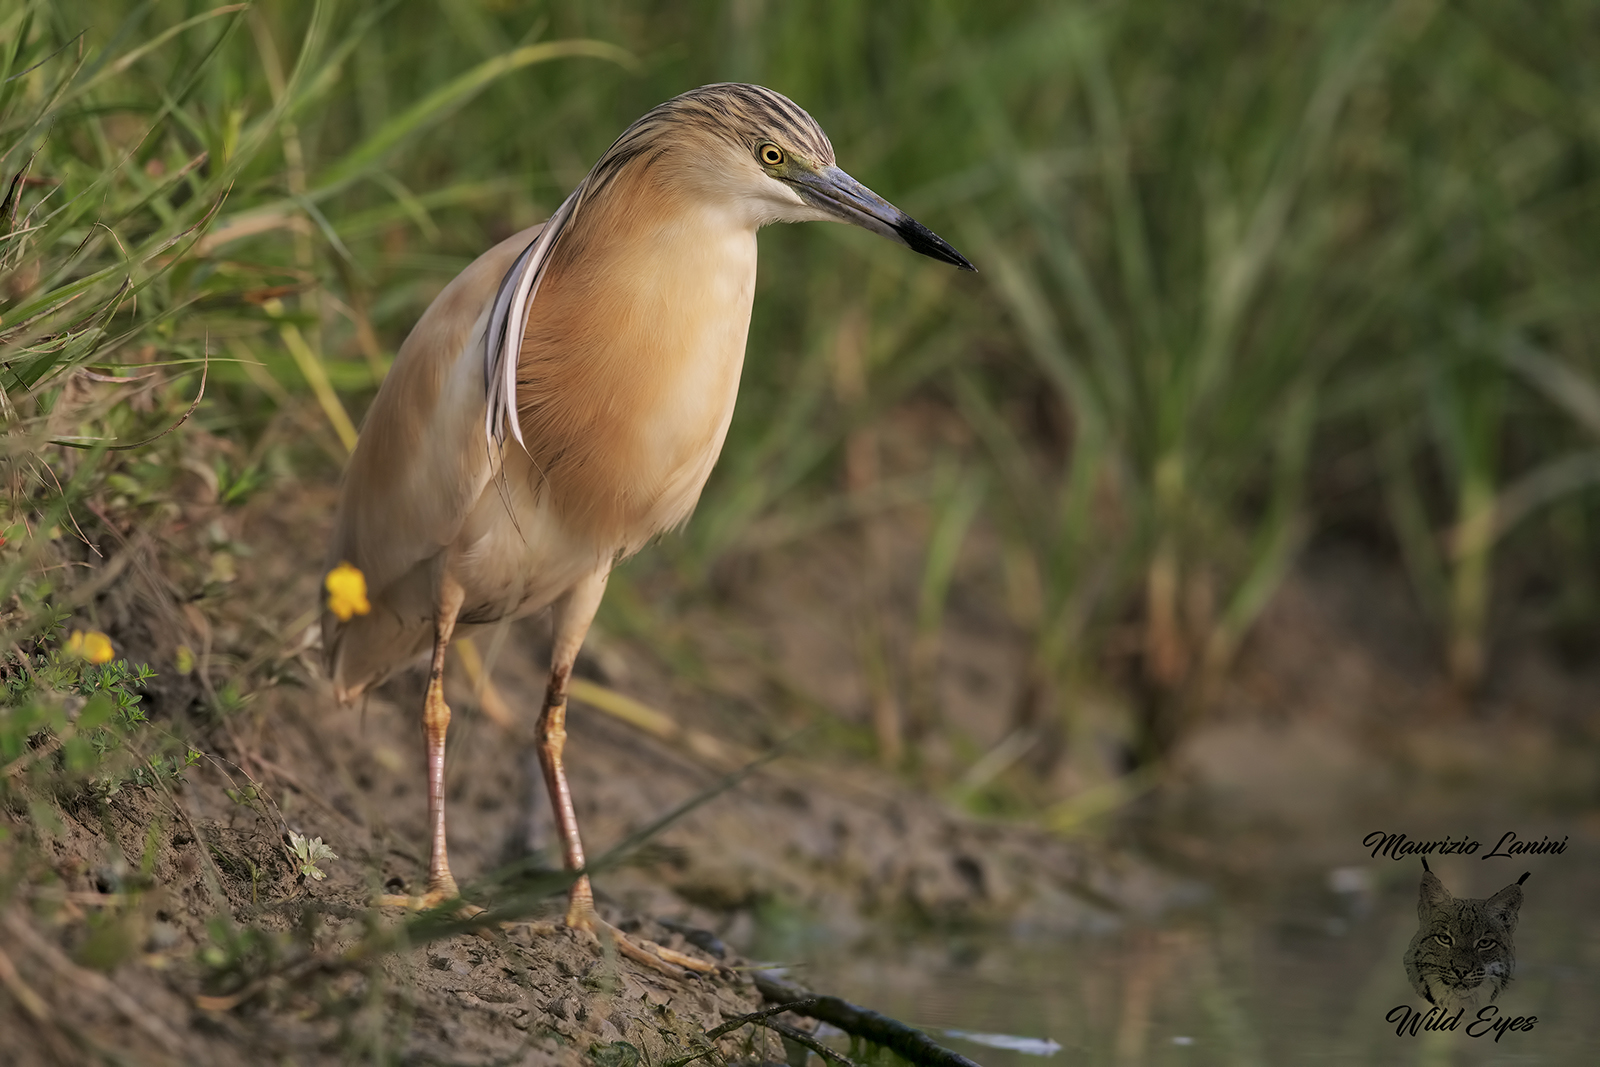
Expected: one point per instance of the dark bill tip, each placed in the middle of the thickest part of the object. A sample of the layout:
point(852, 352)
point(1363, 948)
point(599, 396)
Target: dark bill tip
point(847, 200)
point(919, 238)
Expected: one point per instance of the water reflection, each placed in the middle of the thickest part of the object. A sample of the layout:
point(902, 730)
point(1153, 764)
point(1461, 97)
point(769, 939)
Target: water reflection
point(1031, 1046)
point(1299, 962)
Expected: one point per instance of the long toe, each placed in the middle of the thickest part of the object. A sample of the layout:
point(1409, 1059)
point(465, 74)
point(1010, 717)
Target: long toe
point(659, 957)
point(438, 894)
point(640, 950)
point(426, 902)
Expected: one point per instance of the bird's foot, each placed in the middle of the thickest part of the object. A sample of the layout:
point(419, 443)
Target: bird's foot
point(640, 950)
point(440, 891)
point(426, 902)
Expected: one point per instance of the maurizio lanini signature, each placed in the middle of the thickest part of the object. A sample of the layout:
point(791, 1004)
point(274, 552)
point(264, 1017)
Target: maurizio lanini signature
point(1398, 847)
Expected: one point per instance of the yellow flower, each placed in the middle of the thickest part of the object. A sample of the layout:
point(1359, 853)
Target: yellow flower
point(347, 592)
point(91, 645)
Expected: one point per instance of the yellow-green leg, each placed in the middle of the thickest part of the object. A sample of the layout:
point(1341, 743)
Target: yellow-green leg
point(572, 615)
point(435, 724)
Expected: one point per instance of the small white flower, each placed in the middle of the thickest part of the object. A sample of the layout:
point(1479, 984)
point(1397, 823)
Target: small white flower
point(309, 853)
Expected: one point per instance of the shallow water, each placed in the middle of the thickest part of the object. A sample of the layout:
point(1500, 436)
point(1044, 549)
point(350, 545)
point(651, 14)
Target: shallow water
point(1298, 961)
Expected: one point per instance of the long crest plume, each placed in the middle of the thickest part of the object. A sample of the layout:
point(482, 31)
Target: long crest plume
point(749, 113)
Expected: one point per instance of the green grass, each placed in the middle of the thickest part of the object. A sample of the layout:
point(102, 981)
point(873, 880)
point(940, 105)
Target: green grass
point(1228, 257)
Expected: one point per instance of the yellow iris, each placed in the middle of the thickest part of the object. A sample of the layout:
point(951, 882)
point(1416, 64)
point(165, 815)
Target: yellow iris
point(91, 645)
point(347, 592)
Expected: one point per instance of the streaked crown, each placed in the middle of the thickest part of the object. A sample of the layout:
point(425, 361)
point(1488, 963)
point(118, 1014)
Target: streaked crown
point(748, 114)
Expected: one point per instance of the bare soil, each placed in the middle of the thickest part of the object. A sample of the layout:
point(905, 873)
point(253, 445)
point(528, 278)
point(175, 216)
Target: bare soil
point(170, 923)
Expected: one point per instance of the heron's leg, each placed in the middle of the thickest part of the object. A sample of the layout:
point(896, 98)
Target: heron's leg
point(436, 721)
point(571, 616)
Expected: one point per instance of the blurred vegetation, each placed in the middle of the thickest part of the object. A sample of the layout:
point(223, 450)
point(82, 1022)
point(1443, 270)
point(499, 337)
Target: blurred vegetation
point(1251, 274)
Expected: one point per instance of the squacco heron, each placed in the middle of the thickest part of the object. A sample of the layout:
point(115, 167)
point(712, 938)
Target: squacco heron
point(562, 402)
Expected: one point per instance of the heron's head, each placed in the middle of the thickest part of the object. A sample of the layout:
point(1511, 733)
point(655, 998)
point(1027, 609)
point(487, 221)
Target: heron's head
point(759, 153)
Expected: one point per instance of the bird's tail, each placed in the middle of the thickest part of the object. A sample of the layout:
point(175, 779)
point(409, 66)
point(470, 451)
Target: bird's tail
point(363, 650)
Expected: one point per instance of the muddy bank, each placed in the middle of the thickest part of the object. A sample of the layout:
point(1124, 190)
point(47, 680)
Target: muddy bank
point(133, 887)
point(169, 920)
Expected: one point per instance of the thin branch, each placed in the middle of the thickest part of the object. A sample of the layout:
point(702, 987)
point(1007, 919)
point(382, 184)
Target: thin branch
point(800, 1037)
point(756, 1016)
point(910, 1044)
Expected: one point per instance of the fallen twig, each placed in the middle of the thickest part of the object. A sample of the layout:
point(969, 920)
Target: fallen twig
point(757, 1016)
point(800, 1037)
point(910, 1044)
point(761, 1018)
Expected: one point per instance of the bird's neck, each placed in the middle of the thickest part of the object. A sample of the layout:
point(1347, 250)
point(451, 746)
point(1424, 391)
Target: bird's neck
point(664, 265)
point(632, 358)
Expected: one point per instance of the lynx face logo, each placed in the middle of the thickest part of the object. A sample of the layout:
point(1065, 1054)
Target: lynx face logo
point(1462, 955)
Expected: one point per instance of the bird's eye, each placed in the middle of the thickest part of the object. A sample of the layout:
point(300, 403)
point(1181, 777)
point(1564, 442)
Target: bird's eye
point(770, 154)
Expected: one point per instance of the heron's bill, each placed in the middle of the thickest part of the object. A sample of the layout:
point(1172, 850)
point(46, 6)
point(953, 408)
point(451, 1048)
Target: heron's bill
point(841, 196)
